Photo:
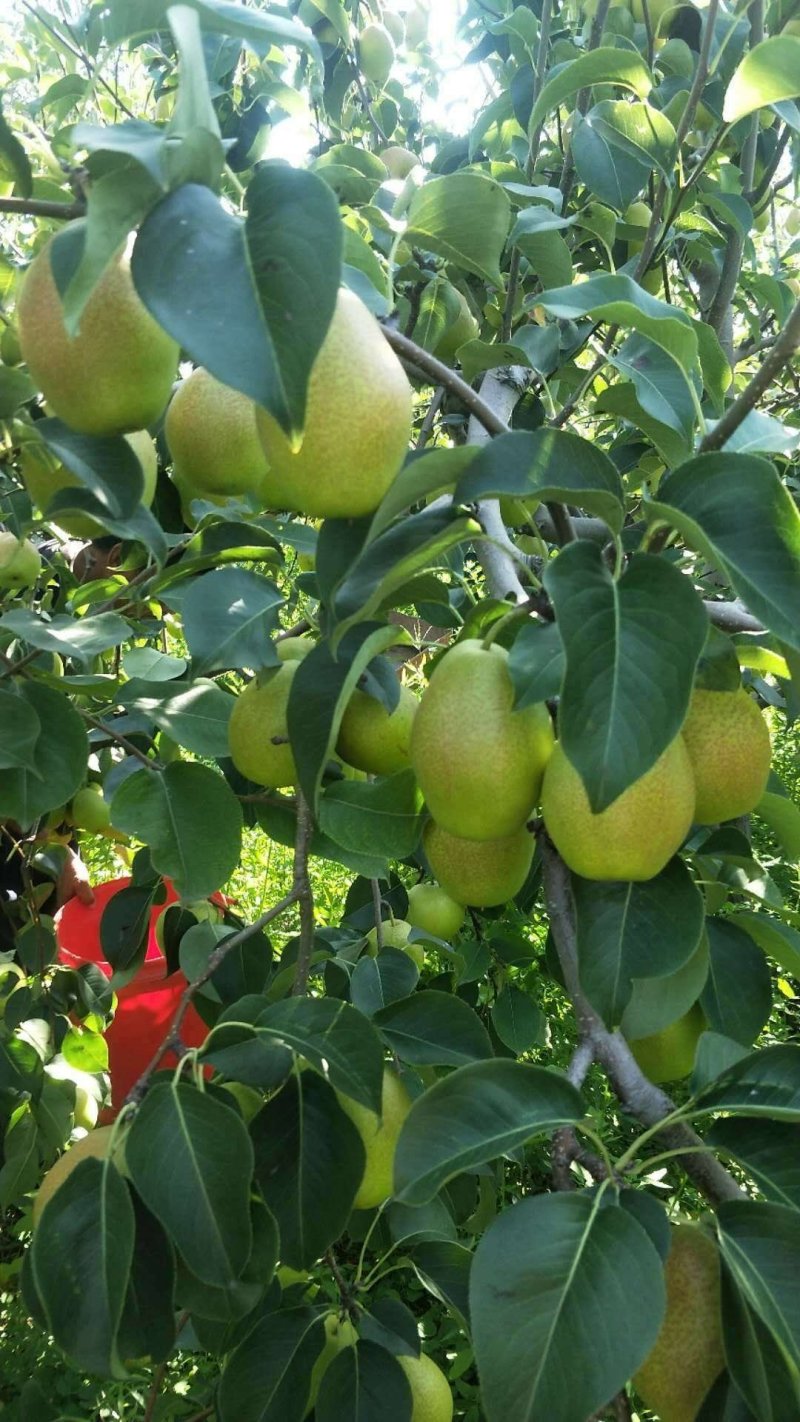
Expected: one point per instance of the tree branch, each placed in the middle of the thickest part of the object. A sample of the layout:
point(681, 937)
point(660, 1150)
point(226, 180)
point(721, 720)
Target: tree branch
point(302, 892)
point(37, 207)
point(638, 1096)
point(784, 348)
point(440, 374)
point(377, 910)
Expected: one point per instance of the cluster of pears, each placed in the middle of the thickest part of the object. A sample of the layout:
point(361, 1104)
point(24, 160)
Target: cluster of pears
point(116, 374)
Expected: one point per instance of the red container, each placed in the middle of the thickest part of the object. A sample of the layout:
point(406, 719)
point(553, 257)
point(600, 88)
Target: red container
point(145, 1007)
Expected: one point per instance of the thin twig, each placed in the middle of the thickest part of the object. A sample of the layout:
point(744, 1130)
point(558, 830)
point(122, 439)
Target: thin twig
point(441, 374)
point(38, 207)
point(426, 428)
point(782, 351)
point(123, 741)
point(304, 896)
point(378, 912)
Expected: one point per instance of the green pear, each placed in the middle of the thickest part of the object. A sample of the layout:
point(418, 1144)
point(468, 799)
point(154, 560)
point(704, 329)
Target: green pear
point(462, 328)
point(20, 562)
point(357, 427)
point(479, 762)
point(637, 834)
point(339, 1334)
point(116, 373)
point(213, 439)
point(433, 911)
point(257, 730)
point(687, 1356)
point(375, 53)
point(431, 1398)
point(729, 748)
point(294, 649)
point(399, 162)
point(44, 477)
point(669, 1055)
point(89, 810)
point(483, 873)
point(379, 1135)
point(394, 933)
point(374, 739)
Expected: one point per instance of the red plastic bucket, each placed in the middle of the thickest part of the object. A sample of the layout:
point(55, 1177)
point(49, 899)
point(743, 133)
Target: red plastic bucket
point(145, 1007)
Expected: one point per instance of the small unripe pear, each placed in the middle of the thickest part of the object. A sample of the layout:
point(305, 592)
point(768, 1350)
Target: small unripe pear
point(399, 162)
point(89, 810)
point(375, 53)
point(483, 873)
point(374, 739)
point(20, 563)
point(379, 1135)
point(394, 933)
point(729, 749)
point(431, 1398)
point(258, 733)
point(433, 911)
point(669, 1055)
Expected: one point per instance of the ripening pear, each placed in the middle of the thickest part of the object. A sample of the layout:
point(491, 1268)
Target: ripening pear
point(433, 911)
point(257, 722)
point(89, 810)
point(212, 436)
point(431, 1398)
point(375, 53)
point(639, 215)
point(394, 934)
point(374, 739)
point(379, 1135)
point(20, 562)
point(483, 873)
point(637, 834)
point(669, 1055)
point(416, 26)
point(358, 422)
point(116, 373)
point(94, 1145)
point(339, 1334)
point(479, 762)
point(399, 162)
point(728, 744)
point(687, 1356)
point(44, 477)
point(294, 649)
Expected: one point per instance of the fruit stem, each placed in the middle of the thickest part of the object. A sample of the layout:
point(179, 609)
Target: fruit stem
point(522, 610)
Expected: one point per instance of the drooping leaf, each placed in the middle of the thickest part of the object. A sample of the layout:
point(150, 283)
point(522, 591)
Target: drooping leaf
point(737, 997)
point(546, 464)
point(463, 217)
point(601, 66)
point(546, 1289)
point(267, 1377)
point(478, 1113)
point(335, 1037)
point(433, 1028)
point(228, 618)
point(764, 1083)
point(86, 1232)
point(769, 1151)
point(191, 1160)
point(627, 931)
point(364, 1384)
point(768, 73)
point(760, 1244)
point(58, 764)
point(735, 511)
point(309, 1162)
point(640, 637)
point(195, 715)
point(380, 817)
point(375, 982)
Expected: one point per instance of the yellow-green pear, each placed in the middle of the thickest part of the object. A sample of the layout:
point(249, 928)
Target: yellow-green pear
point(483, 873)
point(433, 911)
point(116, 373)
point(44, 477)
point(416, 20)
point(94, 1145)
point(212, 436)
point(10, 348)
point(20, 562)
point(728, 744)
point(379, 1135)
point(294, 649)
point(394, 934)
point(394, 24)
point(431, 1398)
point(637, 834)
point(479, 762)
point(358, 422)
point(374, 739)
point(461, 329)
point(669, 1055)
point(688, 1355)
point(257, 730)
point(339, 1334)
point(375, 53)
point(399, 162)
point(89, 810)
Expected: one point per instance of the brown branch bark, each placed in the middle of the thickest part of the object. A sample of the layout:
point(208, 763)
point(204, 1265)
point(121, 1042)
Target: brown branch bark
point(440, 374)
point(784, 348)
point(639, 1097)
point(302, 892)
point(37, 207)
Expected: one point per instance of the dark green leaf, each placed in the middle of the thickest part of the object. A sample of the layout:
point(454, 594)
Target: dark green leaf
point(86, 1232)
point(760, 1245)
point(518, 1022)
point(83, 638)
point(768, 1150)
point(765, 1083)
point(194, 714)
point(754, 1360)
point(191, 1160)
point(59, 758)
point(478, 1113)
point(266, 1379)
point(381, 980)
point(20, 1169)
point(381, 817)
point(336, 1038)
point(364, 1384)
point(546, 464)
point(602, 66)
point(463, 217)
point(147, 1327)
point(226, 1305)
point(734, 510)
point(228, 618)
point(190, 820)
point(547, 1288)
point(737, 998)
point(444, 1268)
point(433, 1028)
point(14, 162)
point(19, 730)
point(627, 931)
point(309, 1164)
point(639, 637)
point(536, 663)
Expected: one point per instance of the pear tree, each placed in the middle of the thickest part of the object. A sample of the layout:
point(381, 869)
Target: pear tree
point(403, 493)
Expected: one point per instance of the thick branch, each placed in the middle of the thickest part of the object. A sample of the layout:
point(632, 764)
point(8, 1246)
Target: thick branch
point(638, 1096)
point(782, 351)
point(440, 374)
